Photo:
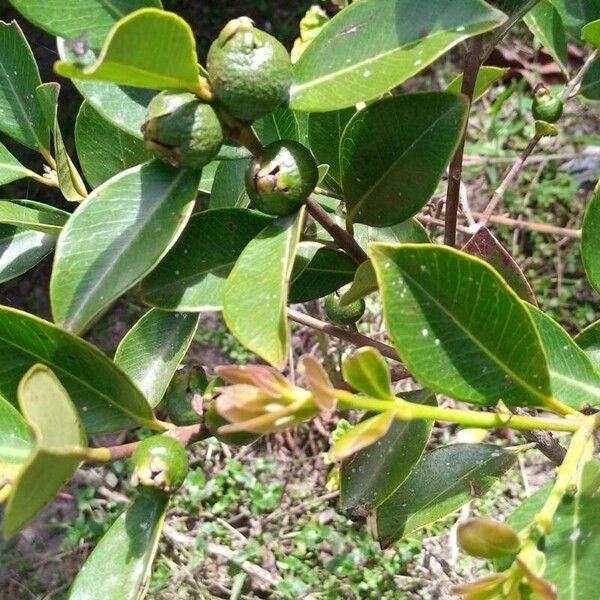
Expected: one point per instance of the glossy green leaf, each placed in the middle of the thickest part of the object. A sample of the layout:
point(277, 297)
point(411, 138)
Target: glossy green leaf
point(69, 180)
point(33, 216)
point(280, 124)
point(10, 168)
point(442, 481)
point(364, 434)
point(103, 149)
point(208, 176)
point(372, 475)
point(215, 238)
point(590, 86)
point(573, 378)
point(375, 45)
point(153, 349)
point(590, 241)
point(394, 153)
point(21, 250)
point(256, 291)
point(105, 398)
point(59, 443)
point(117, 236)
point(16, 444)
point(458, 327)
point(365, 280)
point(571, 548)
point(229, 189)
point(589, 341)
point(318, 271)
point(73, 19)
point(367, 372)
point(21, 117)
point(486, 78)
point(324, 134)
point(545, 23)
point(149, 48)
point(576, 13)
point(485, 246)
point(591, 33)
point(129, 547)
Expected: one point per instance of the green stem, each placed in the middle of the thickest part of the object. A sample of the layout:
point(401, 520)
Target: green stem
point(43, 180)
point(580, 447)
point(408, 411)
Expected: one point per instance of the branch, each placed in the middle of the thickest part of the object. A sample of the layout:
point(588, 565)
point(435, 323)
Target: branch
point(342, 238)
point(529, 226)
point(514, 171)
point(544, 442)
point(471, 68)
point(347, 335)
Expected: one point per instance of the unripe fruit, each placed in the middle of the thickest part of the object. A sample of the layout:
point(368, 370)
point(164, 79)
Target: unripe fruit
point(160, 462)
point(485, 538)
point(546, 107)
point(281, 178)
point(213, 420)
point(249, 70)
point(182, 130)
point(343, 315)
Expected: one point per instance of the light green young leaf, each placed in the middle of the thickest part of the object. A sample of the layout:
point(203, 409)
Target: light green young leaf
point(21, 117)
point(573, 544)
point(116, 237)
point(442, 481)
point(105, 398)
point(374, 45)
point(318, 271)
point(458, 327)
point(256, 291)
point(10, 168)
point(59, 443)
point(16, 444)
point(21, 249)
point(153, 349)
point(372, 475)
point(33, 216)
point(545, 23)
point(69, 180)
point(73, 19)
point(573, 378)
point(394, 152)
point(129, 547)
point(367, 372)
point(149, 48)
point(361, 436)
point(486, 78)
point(217, 238)
point(591, 33)
point(103, 149)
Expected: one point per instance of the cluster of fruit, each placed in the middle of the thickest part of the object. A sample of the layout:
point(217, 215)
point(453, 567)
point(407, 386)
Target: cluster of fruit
point(249, 76)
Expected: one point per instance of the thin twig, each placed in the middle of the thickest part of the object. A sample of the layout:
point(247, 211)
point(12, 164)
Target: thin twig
point(347, 335)
point(514, 171)
point(343, 239)
point(471, 68)
point(544, 442)
point(529, 226)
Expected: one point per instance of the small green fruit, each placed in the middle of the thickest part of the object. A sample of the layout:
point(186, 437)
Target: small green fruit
point(546, 107)
point(213, 420)
point(343, 315)
point(249, 70)
point(182, 130)
point(486, 538)
point(281, 178)
point(160, 462)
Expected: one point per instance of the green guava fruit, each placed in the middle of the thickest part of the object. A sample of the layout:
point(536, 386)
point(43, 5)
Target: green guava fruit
point(281, 178)
point(182, 130)
point(343, 315)
point(159, 462)
point(546, 107)
point(250, 72)
point(213, 420)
